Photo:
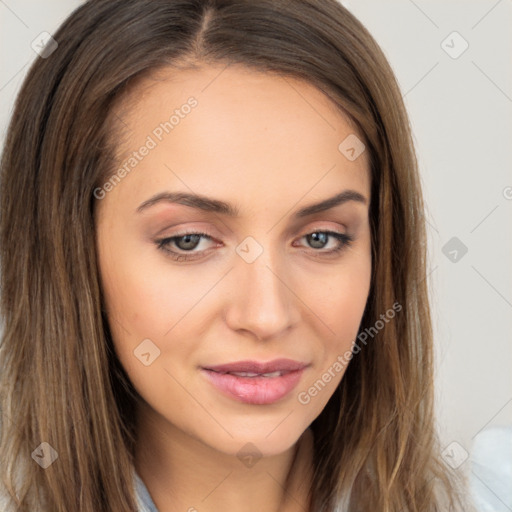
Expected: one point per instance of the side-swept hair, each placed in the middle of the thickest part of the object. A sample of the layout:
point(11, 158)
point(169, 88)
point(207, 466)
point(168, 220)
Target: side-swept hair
point(60, 381)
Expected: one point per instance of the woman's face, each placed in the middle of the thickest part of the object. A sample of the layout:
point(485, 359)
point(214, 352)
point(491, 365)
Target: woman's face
point(243, 157)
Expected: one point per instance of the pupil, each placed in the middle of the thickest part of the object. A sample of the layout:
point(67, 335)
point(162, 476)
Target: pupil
point(318, 240)
point(191, 242)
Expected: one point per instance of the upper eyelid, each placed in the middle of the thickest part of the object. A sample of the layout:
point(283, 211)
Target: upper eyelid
point(212, 238)
point(205, 234)
point(208, 232)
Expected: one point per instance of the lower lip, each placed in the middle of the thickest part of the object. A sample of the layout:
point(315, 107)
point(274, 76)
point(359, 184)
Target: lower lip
point(254, 390)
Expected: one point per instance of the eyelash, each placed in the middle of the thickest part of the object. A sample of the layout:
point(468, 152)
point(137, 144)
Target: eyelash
point(345, 241)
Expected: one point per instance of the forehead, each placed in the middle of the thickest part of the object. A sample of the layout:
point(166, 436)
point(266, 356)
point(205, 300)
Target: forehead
point(248, 135)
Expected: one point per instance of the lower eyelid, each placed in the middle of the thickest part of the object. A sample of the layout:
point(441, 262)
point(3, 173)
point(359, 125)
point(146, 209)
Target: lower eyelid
point(343, 240)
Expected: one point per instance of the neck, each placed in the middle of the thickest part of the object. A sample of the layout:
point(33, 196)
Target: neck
point(184, 474)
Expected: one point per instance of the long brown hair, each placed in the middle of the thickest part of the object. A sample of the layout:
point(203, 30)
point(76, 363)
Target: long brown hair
point(60, 381)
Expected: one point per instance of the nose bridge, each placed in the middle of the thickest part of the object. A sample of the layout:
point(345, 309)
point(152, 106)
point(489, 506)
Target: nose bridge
point(261, 302)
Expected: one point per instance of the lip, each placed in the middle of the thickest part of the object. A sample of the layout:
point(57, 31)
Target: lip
point(257, 390)
point(276, 365)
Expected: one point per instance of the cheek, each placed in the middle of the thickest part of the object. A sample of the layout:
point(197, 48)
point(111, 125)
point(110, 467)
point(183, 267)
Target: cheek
point(339, 304)
point(145, 296)
point(345, 305)
point(338, 299)
point(148, 297)
point(148, 300)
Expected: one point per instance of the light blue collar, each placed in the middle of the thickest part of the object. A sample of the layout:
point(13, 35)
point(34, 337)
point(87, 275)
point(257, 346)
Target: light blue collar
point(144, 500)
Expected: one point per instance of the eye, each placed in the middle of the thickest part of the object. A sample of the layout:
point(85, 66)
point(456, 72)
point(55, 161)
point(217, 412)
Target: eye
point(188, 242)
point(320, 239)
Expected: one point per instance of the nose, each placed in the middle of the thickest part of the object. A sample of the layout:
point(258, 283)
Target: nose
point(261, 303)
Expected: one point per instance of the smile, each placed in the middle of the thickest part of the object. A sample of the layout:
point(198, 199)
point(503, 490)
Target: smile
point(256, 383)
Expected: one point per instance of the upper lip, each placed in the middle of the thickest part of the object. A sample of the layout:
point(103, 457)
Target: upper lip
point(283, 365)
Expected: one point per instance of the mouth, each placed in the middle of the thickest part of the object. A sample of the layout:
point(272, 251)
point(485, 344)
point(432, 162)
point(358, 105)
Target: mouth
point(255, 382)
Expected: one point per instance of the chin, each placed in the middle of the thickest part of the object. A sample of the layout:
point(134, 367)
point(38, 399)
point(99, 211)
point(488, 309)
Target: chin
point(268, 436)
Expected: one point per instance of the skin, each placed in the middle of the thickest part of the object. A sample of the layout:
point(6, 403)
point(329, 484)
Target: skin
point(269, 146)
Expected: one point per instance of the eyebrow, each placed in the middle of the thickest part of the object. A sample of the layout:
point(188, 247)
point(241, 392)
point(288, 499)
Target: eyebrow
point(215, 205)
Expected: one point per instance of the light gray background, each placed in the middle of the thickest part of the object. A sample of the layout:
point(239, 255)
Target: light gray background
point(460, 110)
